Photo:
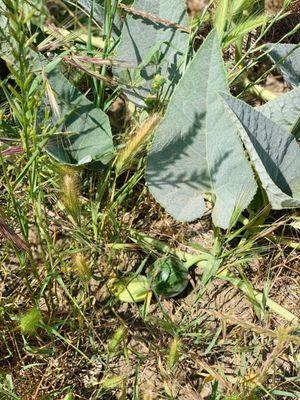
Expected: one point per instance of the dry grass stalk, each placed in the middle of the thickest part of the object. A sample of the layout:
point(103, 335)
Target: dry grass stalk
point(154, 18)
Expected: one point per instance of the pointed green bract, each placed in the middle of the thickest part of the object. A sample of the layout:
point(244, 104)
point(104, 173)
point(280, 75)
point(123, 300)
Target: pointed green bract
point(285, 111)
point(274, 153)
point(196, 149)
point(287, 58)
point(158, 45)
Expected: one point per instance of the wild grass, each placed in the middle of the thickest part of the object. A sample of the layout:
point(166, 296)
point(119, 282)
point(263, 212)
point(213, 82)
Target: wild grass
point(68, 233)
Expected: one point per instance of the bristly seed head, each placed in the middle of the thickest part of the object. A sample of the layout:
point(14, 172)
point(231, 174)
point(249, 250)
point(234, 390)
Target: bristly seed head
point(81, 267)
point(70, 192)
point(174, 352)
point(135, 144)
point(31, 321)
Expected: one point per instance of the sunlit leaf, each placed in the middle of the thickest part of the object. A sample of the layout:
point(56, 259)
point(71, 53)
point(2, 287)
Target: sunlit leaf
point(285, 111)
point(197, 150)
point(86, 129)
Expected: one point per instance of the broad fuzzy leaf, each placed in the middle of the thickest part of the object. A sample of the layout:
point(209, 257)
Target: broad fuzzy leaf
point(87, 130)
point(274, 152)
point(142, 38)
point(285, 111)
point(88, 5)
point(288, 58)
point(196, 149)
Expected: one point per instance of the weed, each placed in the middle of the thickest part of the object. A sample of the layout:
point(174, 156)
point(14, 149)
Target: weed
point(103, 294)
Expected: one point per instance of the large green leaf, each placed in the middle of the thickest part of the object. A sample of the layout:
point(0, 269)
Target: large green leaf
point(197, 150)
point(142, 38)
point(287, 58)
point(87, 135)
point(274, 153)
point(285, 111)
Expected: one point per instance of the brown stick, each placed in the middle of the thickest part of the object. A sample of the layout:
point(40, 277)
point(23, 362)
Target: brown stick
point(9, 234)
point(154, 18)
point(110, 82)
point(103, 61)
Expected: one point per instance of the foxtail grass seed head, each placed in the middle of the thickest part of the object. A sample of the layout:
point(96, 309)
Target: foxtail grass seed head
point(135, 144)
point(81, 267)
point(113, 382)
point(148, 395)
point(70, 193)
point(174, 350)
point(116, 339)
point(52, 99)
point(31, 321)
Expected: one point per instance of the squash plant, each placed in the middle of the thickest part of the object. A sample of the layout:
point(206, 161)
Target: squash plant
point(198, 148)
point(209, 145)
point(286, 109)
point(204, 126)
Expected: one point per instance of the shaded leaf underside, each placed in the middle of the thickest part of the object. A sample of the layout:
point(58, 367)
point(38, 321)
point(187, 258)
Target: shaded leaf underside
point(274, 153)
point(287, 58)
point(87, 130)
